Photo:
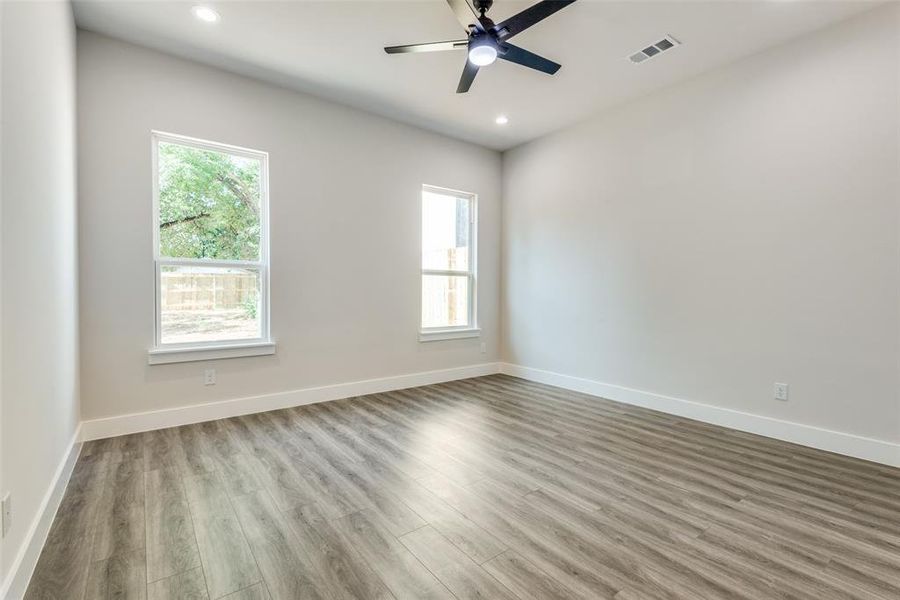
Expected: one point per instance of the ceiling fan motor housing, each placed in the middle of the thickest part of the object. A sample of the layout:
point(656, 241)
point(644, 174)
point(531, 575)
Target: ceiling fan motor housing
point(483, 6)
point(483, 39)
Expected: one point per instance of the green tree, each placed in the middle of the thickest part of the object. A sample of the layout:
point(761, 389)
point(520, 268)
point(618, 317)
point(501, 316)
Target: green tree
point(208, 204)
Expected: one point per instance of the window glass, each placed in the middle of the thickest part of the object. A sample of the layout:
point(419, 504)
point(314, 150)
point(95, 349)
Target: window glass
point(445, 301)
point(205, 304)
point(209, 204)
point(445, 232)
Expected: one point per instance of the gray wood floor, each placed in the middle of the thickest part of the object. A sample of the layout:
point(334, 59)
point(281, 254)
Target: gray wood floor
point(486, 488)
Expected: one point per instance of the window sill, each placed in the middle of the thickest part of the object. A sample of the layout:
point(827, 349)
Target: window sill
point(448, 334)
point(163, 356)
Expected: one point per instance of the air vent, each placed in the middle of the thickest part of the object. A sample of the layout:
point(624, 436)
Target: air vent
point(655, 49)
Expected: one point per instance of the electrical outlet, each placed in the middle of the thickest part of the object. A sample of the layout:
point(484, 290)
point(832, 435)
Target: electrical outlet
point(209, 377)
point(483, 347)
point(6, 513)
point(781, 391)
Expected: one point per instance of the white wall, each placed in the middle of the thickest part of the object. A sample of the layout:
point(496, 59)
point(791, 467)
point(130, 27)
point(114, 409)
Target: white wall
point(39, 287)
point(344, 189)
point(727, 233)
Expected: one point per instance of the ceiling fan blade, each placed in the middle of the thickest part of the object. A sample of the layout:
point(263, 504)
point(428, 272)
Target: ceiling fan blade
point(525, 58)
point(431, 47)
point(465, 14)
point(518, 23)
point(468, 76)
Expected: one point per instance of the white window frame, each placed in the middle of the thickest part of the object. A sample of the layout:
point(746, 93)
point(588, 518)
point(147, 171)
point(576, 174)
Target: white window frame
point(162, 353)
point(471, 329)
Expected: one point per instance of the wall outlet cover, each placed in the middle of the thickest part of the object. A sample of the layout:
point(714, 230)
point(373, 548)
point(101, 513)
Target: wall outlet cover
point(781, 391)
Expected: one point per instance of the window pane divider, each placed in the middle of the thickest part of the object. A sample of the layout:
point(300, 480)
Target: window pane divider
point(209, 262)
point(447, 273)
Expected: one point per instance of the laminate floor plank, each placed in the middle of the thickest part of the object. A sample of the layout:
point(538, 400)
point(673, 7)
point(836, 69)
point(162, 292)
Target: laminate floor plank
point(472, 540)
point(197, 455)
point(63, 567)
point(171, 544)
point(227, 561)
point(274, 470)
point(458, 572)
point(285, 566)
point(403, 574)
point(491, 487)
point(344, 573)
point(399, 517)
point(526, 580)
point(123, 576)
point(120, 515)
point(316, 476)
point(241, 474)
point(500, 517)
point(377, 442)
point(256, 592)
point(188, 585)
point(62, 571)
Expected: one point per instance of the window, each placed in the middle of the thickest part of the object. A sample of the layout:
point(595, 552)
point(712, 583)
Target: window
point(448, 264)
point(211, 250)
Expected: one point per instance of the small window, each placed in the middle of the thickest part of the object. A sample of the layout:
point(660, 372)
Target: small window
point(448, 264)
point(210, 244)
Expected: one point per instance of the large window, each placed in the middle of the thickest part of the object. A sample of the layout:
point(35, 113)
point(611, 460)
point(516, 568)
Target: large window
point(448, 264)
point(210, 250)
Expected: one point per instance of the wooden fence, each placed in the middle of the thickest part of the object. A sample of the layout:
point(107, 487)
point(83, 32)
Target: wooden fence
point(208, 291)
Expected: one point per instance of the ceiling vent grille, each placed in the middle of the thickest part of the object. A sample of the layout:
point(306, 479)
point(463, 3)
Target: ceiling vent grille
point(655, 49)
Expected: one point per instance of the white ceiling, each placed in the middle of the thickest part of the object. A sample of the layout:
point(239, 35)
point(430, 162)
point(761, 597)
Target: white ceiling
point(333, 49)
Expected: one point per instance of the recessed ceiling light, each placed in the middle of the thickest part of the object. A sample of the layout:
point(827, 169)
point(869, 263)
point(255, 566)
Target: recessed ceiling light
point(205, 14)
point(501, 120)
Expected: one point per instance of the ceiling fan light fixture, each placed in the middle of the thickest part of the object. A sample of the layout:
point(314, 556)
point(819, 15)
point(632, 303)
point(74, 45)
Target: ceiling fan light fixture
point(205, 13)
point(482, 53)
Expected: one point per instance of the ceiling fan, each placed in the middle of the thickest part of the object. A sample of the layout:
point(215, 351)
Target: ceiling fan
point(486, 41)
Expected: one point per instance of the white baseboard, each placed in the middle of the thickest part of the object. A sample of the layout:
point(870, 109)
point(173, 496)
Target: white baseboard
point(23, 565)
point(833, 441)
point(197, 413)
point(824, 439)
